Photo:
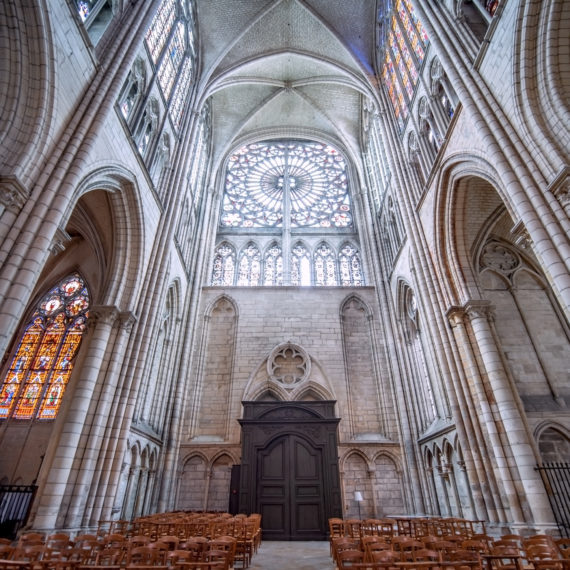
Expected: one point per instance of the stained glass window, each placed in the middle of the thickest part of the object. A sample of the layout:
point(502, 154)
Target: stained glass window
point(249, 267)
point(307, 178)
point(350, 269)
point(300, 265)
point(273, 266)
point(172, 59)
point(181, 92)
point(325, 266)
point(224, 265)
point(400, 72)
point(289, 194)
point(159, 30)
point(40, 369)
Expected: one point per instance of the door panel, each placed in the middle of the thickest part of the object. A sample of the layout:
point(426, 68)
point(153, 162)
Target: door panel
point(290, 490)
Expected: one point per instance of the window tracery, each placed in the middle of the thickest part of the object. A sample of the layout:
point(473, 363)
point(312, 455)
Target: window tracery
point(41, 367)
point(350, 270)
point(307, 178)
point(249, 268)
point(224, 265)
point(300, 265)
point(273, 266)
point(325, 266)
point(292, 189)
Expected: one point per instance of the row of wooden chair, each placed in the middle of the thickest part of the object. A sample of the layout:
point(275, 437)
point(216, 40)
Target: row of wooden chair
point(405, 526)
point(35, 551)
point(181, 524)
point(510, 552)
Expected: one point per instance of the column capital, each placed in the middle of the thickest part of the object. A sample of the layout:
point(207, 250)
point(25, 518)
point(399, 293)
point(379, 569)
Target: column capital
point(126, 321)
point(456, 316)
point(106, 314)
point(479, 310)
point(13, 194)
point(474, 309)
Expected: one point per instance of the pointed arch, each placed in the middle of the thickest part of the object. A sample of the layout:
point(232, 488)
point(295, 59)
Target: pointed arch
point(120, 251)
point(463, 183)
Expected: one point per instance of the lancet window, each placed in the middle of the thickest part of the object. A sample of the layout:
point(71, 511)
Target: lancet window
point(282, 191)
point(405, 47)
point(273, 266)
point(224, 265)
point(95, 16)
point(39, 371)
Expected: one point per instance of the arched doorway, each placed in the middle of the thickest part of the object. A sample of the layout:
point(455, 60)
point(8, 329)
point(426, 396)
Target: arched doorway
point(289, 470)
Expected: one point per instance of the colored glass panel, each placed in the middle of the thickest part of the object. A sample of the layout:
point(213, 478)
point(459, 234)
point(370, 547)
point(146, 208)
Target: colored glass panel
point(273, 266)
point(350, 269)
point(417, 22)
point(300, 265)
point(224, 265)
point(406, 55)
point(410, 30)
point(43, 362)
point(325, 266)
point(172, 60)
point(311, 175)
point(181, 92)
point(249, 269)
point(395, 92)
point(159, 30)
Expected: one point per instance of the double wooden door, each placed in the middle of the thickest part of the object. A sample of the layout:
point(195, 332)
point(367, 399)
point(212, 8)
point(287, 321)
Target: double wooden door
point(290, 494)
point(289, 468)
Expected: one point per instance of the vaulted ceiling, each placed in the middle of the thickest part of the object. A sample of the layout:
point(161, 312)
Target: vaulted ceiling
point(286, 68)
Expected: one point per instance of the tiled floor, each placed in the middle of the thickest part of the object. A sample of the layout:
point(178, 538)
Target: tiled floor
point(273, 555)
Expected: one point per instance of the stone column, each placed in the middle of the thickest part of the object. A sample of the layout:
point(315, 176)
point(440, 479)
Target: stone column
point(95, 468)
point(55, 490)
point(513, 449)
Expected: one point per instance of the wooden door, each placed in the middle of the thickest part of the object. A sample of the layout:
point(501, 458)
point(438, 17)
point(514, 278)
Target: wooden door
point(290, 494)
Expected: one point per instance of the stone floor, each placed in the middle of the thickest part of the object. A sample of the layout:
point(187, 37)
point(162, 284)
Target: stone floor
point(274, 555)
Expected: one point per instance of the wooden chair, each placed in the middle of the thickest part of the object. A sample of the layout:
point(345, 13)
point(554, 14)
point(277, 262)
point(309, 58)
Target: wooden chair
point(348, 558)
point(31, 538)
point(178, 558)
point(544, 557)
point(503, 557)
point(353, 528)
point(110, 558)
point(219, 557)
point(462, 560)
point(563, 545)
point(171, 541)
point(374, 547)
point(6, 551)
point(475, 545)
point(385, 559)
point(344, 543)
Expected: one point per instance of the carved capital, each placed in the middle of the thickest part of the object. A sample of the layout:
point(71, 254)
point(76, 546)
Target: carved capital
point(13, 195)
point(105, 314)
point(127, 320)
point(479, 310)
point(560, 187)
point(59, 242)
point(456, 316)
point(521, 236)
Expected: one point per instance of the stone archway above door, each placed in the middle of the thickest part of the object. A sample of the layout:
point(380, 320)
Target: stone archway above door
point(288, 373)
